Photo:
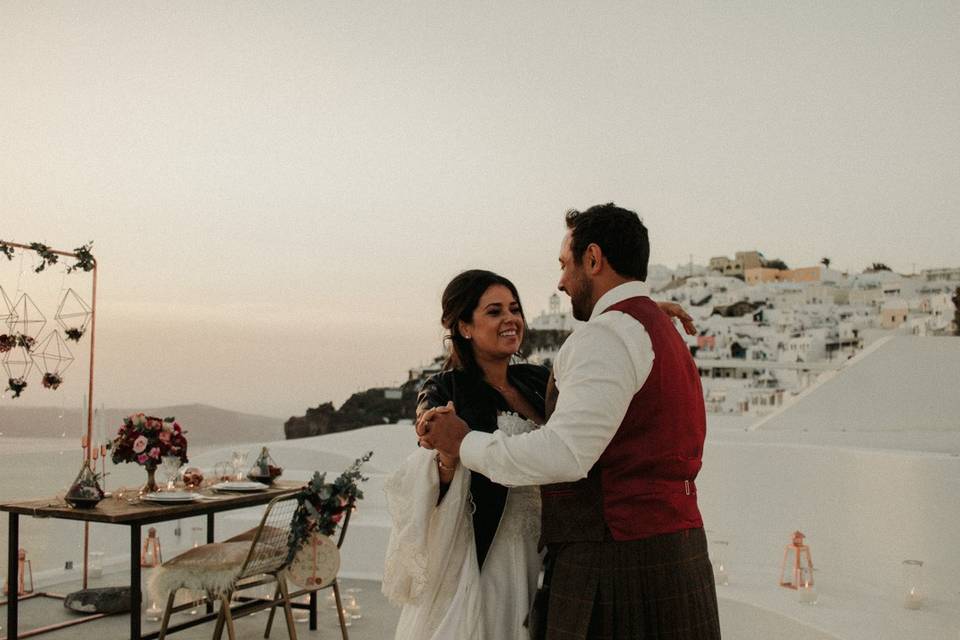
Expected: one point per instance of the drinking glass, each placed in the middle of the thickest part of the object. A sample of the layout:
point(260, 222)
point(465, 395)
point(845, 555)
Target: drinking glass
point(170, 469)
point(238, 460)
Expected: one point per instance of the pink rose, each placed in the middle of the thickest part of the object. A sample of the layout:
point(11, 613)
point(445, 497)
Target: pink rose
point(142, 458)
point(139, 444)
point(155, 453)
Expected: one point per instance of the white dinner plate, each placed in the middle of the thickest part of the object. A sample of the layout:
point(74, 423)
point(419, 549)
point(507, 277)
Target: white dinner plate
point(172, 497)
point(240, 486)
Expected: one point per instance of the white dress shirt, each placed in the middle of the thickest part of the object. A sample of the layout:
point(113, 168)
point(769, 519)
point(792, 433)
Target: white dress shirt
point(599, 369)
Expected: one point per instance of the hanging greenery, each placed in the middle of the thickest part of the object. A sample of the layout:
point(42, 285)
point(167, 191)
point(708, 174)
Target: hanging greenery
point(85, 259)
point(84, 255)
point(45, 252)
point(321, 505)
point(16, 385)
point(73, 334)
point(51, 381)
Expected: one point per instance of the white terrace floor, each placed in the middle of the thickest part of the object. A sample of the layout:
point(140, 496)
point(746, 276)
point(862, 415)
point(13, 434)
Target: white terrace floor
point(377, 621)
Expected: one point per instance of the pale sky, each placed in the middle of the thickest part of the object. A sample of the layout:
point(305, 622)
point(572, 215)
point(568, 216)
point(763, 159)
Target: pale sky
point(278, 192)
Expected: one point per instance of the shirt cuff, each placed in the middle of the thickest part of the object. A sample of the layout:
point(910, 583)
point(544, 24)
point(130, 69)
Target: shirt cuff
point(472, 447)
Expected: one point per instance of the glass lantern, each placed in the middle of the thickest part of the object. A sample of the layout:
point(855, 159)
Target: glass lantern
point(264, 468)
point(913, 588)
point(797, 569)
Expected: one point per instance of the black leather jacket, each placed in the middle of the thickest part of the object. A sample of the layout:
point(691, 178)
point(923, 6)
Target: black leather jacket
point(478, 404)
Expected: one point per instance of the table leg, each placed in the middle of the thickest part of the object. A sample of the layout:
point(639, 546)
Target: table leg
point(313, 610)
point(136, 597)
point(13, 577)
point(210, 532)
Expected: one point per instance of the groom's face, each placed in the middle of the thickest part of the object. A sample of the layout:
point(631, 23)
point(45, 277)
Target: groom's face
point(575, 282)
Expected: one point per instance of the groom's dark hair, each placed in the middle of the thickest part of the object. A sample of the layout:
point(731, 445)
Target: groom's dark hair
point(618, 232)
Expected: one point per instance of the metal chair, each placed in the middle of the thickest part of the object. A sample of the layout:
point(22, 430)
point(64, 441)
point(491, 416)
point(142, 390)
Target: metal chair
point(221, 569)
point(334, 584)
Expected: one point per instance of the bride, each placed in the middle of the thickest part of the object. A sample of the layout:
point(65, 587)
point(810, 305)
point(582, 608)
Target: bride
point(463, 557)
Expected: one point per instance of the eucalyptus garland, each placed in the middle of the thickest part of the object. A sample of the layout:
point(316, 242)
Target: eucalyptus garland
point(85, 259)
point(321, 504)
point(49, 257)
point(84, 255)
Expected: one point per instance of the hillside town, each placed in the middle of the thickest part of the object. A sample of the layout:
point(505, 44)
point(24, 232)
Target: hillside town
point(768, 332)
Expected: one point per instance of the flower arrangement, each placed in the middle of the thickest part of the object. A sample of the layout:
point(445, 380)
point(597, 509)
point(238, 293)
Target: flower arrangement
point(145, 440)
point(321, 504)
point(9, 341)
point(16, 385)
point(74, 334)
point(51, 381)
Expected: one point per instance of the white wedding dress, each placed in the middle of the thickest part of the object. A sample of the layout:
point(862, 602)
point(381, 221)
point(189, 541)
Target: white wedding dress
point(431, 563)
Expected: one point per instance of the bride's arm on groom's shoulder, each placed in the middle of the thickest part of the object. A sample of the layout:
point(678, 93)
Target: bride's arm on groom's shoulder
point(674, 310)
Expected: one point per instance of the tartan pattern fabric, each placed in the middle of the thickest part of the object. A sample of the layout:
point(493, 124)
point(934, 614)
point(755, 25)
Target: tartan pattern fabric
point(658, 588)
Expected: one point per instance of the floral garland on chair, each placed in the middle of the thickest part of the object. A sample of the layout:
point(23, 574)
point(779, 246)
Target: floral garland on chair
point(321, 505)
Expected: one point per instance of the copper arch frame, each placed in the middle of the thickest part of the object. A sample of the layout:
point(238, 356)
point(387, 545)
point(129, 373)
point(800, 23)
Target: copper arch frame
point(87, 451)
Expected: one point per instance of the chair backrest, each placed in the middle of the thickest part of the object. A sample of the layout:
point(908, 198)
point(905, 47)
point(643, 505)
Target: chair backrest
point(346, 521)
point(269, 549)
point(268, 552)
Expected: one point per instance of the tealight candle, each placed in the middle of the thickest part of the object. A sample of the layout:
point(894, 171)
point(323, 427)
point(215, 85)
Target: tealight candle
point(807, 593)
point(914, 600)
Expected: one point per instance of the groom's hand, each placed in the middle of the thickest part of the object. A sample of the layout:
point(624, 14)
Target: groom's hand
point(442, 429)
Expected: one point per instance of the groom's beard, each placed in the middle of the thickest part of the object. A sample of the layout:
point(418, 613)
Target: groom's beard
point(582, 299)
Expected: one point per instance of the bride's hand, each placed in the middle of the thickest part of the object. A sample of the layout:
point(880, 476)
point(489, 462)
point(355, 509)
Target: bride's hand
point(674, 310)
point(423, 422)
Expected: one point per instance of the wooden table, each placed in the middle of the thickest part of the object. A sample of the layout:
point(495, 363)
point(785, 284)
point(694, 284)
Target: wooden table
point(112, 511)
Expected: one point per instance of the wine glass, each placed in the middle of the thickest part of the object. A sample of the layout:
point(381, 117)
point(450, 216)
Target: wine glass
point(170, 469)
point(238, 460)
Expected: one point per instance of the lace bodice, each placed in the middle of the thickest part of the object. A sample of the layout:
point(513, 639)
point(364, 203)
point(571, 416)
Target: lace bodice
point(521, 516)
point(512, 424)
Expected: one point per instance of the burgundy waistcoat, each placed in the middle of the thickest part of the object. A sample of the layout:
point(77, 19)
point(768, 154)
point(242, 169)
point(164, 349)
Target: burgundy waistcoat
point(642, 485)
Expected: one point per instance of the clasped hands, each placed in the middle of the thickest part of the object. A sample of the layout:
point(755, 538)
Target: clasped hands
point(442, 429)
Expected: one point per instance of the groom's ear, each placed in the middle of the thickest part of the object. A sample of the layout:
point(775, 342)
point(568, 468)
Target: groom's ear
point(593, 257)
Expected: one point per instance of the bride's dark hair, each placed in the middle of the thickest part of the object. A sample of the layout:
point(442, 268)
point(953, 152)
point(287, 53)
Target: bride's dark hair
point(459, 301)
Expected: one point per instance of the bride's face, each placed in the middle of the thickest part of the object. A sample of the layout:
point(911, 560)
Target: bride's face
point(496, 329)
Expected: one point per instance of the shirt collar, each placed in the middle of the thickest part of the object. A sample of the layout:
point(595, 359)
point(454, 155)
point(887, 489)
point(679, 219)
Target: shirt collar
point(621, 292)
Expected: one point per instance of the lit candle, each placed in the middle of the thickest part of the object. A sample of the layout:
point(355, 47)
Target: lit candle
point(807, 593)
point(914, 599)
point(913, 584)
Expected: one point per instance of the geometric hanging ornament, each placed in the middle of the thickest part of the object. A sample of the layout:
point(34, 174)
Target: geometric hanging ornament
point(72, 315)
point(29, 322)
point(52, 357)
point(7, 313)
point(18, 364)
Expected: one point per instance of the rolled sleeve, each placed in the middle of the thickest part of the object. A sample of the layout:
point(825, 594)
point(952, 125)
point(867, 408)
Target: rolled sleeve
point(598, 372)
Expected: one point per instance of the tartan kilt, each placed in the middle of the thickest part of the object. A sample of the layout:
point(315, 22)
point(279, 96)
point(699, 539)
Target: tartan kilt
point(658, 588)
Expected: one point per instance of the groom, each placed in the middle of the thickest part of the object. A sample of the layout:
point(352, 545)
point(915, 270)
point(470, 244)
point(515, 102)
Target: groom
point(617, 460)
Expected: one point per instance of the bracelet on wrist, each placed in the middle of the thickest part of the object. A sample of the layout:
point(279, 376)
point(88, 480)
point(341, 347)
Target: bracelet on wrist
point(444, 467)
